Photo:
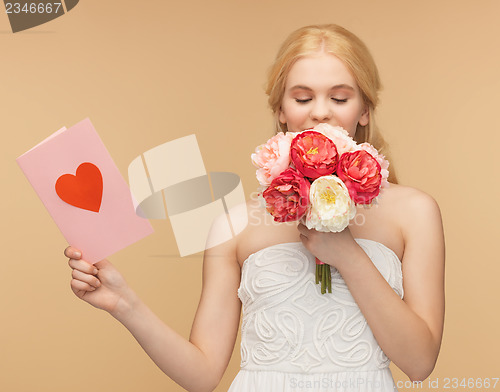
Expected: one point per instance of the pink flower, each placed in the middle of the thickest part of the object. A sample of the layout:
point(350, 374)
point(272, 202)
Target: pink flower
point(337, 135)
point(384, 163)
point(360, 172)
point(287, 198)
point(272, 157)
point(313, 154)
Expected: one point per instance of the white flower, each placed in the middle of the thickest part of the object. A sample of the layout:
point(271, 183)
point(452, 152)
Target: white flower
point(331, 207)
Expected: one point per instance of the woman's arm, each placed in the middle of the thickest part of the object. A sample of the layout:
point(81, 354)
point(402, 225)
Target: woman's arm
point(197, 364)
point(409, 331)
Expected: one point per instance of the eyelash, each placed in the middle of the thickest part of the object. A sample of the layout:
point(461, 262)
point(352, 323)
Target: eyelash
point(307, 100)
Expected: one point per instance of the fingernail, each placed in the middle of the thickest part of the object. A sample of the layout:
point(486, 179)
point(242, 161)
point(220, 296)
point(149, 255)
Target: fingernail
point(77, 254)
point(92, 288)
point(96, 271)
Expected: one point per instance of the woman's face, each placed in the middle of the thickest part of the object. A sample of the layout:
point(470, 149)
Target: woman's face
point(320, 89)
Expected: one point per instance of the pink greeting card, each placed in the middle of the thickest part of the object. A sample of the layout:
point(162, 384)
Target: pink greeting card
point(84, 192)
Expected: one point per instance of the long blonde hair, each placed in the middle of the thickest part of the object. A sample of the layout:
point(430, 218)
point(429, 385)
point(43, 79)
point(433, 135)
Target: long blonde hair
point(354, 54)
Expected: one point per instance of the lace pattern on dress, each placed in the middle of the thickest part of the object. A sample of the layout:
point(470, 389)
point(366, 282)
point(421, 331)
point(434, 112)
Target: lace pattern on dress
point(288, 325)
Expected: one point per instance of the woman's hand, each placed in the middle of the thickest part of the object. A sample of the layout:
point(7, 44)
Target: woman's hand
point(330, 248)
point(101, 285)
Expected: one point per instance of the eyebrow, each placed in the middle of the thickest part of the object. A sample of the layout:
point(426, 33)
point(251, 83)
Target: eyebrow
point(336, 87)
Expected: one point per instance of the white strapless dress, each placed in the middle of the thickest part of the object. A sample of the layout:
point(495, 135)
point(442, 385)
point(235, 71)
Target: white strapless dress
point(293, 338)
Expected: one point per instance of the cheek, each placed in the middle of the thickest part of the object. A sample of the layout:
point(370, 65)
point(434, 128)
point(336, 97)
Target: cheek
point(348, 113)
point(294, 113)
point(348, 119)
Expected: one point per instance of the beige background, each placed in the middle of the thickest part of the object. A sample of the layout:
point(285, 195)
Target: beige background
point(149, 72)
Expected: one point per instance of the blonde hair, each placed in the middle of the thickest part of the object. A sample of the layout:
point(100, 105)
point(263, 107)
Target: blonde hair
point(354, 54)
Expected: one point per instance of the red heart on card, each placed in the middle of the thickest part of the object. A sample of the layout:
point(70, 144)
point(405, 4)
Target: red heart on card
point(83, 190)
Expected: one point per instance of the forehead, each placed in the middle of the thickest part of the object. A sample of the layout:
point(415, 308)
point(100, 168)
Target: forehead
point(318, 71)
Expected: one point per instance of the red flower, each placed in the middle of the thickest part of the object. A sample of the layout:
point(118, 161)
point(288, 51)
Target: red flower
point(360, 172)
point(287, 197)
point(313, 154)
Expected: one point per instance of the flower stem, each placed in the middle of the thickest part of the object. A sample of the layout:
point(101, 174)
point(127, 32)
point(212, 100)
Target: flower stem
point(323, 279)
point(323, 275)
point(329, 279)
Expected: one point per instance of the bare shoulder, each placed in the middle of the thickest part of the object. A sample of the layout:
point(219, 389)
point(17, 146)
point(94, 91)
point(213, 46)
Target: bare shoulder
point(236, 228)
point(410, 202)
point(235, 219)
point(419, 219)
point(224, 233)
point(261, 231)
point(405, 192)
point(423, 262)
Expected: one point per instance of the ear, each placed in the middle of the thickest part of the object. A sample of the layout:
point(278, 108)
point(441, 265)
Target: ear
point(365, 116)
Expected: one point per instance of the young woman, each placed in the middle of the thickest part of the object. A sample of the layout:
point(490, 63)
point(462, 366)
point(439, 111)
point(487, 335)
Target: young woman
point(387, 300)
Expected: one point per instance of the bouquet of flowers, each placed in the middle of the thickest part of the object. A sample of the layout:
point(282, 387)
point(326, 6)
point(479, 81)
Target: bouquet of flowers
point(318, 176)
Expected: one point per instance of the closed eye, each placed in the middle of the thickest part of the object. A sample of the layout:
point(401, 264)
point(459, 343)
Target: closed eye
point(309, 99)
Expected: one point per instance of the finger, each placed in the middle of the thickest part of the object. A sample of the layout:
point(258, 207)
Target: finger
point(78, 285)
point(89, 279)
point(72, 253)
point(102, 264)
point(303, 229)
point(83, 266)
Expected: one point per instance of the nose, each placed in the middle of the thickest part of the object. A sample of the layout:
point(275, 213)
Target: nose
point(321, 111)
